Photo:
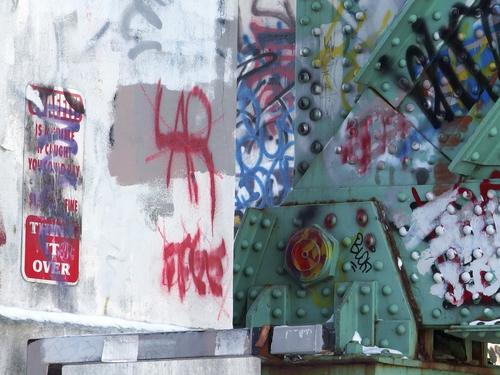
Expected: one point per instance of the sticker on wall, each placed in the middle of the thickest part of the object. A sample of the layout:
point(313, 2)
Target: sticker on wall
point(52, 184)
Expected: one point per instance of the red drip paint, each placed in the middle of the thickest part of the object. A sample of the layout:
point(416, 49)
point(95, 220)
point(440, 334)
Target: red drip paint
point(3, 236)
point(487, 185)
point(418, 201)
point(186, 261)
point(183, 141)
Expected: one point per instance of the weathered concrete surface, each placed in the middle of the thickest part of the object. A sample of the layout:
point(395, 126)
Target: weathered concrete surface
point(132, 261)
point(219, 366)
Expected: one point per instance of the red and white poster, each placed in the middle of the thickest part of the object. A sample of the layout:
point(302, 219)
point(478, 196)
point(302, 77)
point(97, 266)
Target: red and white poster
point(53, 184)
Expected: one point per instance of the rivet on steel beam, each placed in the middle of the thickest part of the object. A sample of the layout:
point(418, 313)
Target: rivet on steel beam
point(325, 312)
point(248, 271)
point(414, 277)
point(236, 268)
point(402, 197)
point(301, 293)
point(315, 114)
point(304, 103)
point(438, 277)
point(436, 313)
point(281, 245)
point(378, 265)
point(346, 267)
point(253, 219)
point(360, 16)
point(358, 48)
point(304, 76)
point(240, 295)
point(393, 309)
point(266, 223)
point(305, 52)
point(384, 343)
point(436, 16)
point(401, 329)
point(316, 6)
point(244, 244)
point(493, 132)
point(326, 291)
point(258, 246)
point(402, 63)
point(316, 31)
point(305, 21)
point(316, 88)
point(386, 86)
point(489, 313)
point(304, 128)
point(477, 253)
point(347, 29)
point(415, 255)
point(412, 18)
point(277, 313)
point(475, 156)
point(370, 242)
point(347, 241)
point(365, 309)
point(330, 220)
point(465, 312)
point(365, 289)
point(396, 41)
point(386, 290)
point(303, 166)
point(347, 5)
point(341, 289)
point(301, 312)
point(276, 293)
point(361, 217)
point(346, 87)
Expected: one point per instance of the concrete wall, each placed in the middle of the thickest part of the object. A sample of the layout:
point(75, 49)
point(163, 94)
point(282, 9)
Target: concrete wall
point(221, 366)
point(154, 152)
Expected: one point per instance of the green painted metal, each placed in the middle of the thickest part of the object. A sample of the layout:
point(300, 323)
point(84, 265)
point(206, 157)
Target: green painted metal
point(351, 365)
point(391, 231)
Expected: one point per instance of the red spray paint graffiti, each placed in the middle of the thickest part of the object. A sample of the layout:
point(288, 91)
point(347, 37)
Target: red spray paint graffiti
point(363, 144)
point(185, 142)
point(185, 261)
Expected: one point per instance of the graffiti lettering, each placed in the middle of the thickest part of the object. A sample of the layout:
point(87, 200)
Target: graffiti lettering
point(185, 142)
point(186, 261)
point(361, 255)
point(264, 128)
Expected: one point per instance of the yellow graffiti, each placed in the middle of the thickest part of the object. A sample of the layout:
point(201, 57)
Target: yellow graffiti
point(329, 52)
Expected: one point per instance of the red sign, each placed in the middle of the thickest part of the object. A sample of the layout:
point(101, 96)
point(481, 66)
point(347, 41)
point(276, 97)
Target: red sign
point(52, 251)
point(52, 184)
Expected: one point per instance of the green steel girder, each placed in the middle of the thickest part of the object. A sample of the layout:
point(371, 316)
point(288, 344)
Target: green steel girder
point(364, 293)
point(334, 40)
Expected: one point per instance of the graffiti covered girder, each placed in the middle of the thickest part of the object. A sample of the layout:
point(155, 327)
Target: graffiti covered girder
point(405, 177)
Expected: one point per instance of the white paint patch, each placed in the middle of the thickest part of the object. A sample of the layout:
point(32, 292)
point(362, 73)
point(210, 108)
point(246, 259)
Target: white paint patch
point(373, 350)
point(475, 251)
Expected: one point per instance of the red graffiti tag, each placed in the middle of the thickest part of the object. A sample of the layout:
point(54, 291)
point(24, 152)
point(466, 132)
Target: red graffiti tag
point(183, 141)
point(363, 143)
point(186, 261)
